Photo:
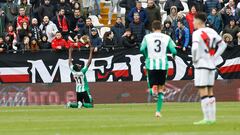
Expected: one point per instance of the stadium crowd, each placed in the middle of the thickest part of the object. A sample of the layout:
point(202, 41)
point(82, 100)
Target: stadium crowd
point(58, 24)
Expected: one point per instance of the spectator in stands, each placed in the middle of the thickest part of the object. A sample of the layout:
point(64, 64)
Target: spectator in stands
point(46, 10)
point(210, 4)
point(9, 42)
point(198, 4)
point(170, 3)
point(67, 8)
point(182, 18)
point(182, 36)
point(172, 17)
point(59, 43)
point(118, 30)
point(95, 6)
point(232, 29)
point(34, 45)
point(35, 31)
point(22, 32)
point(3, 22)
point(141, 11)
point(80, 41)
point(153, 13)
point(190, 18)
point(226, 15)
point(228, 39)
point(49, 28)
point(26, 6)
point(21, 18)
point(3, 46)
point(128, 5)
point(25, 44)
point(96, 41)
point(44, 42)
point(114, 4)
point(34, 10)
point(128, 40)
point(62, 23)
point(87, 28)
point(238, 39)
point(233, 7)
point(167, 29)
point(12, 35)
point(76, 22)
point(11, 10)
point(137, 28)
point(108, 42)
point(75, 5)
point(214, 21)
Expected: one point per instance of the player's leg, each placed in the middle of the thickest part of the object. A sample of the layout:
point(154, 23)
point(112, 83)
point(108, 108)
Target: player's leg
point(212, 99)
point(87, 102)
point(77, 104)
point(158, 77)
point(201, 82)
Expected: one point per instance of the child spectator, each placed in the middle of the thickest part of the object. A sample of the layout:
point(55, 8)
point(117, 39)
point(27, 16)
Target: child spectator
point(25, 44)
point(59, 43)
point(34, 45)
point(167, 29)
point(44, 42)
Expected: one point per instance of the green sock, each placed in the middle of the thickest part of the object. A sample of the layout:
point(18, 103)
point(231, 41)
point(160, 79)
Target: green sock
point(87, 105)
point(160, 101)
point(73, 105)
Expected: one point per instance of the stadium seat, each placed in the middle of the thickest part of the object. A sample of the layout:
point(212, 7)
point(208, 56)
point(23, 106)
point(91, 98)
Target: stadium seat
point(95, 21)
point(103, 30)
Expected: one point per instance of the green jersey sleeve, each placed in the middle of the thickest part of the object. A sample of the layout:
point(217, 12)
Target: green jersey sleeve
point(85, 69)
point(143, 48)
point(171, 47)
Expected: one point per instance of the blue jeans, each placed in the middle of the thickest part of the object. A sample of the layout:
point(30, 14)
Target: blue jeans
point(97, 3)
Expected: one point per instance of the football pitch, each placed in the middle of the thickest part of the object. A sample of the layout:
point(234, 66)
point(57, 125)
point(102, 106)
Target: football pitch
point(118, 119)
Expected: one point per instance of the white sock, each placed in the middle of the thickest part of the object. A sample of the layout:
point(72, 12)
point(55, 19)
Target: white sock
point(212, 108)
point(205, 107)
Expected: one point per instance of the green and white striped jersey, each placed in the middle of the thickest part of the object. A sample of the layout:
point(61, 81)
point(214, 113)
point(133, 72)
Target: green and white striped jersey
point(81, 79)
point(154, 48)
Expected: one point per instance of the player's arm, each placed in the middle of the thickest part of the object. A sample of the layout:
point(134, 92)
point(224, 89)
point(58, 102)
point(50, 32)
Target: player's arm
point(143, 48)
point(195, 55)
point(221, 47)
point(171, 47)
point(70, 50)
point(90, 56)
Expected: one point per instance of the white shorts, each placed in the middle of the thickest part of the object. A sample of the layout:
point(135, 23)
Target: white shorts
point(204, 77)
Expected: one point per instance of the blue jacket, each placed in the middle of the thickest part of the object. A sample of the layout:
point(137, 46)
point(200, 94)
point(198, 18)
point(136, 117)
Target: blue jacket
point(118, 30)
point(142, 13)
point(215, 22)
point(185, 36)
point(96, 41)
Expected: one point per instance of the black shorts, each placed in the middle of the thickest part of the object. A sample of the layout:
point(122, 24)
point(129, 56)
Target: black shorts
point(157, 77)
point(83, 97)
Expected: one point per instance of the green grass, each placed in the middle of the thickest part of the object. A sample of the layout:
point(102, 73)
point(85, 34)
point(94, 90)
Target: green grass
point(118, 119)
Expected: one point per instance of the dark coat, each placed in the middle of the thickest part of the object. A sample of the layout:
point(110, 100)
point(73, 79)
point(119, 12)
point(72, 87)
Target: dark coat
point(170, 3)
point(153, 13)
point(138, 30)
point(118, 30)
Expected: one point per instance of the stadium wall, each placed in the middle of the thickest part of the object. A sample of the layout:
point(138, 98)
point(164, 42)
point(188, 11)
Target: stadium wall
point(114, 92)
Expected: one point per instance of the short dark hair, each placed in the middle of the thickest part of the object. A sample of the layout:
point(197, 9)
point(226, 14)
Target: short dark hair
point(156, 25)
point(201, 16)
point(76, 68)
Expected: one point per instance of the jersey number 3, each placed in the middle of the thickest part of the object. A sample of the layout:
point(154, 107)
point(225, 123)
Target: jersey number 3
point(158, 45)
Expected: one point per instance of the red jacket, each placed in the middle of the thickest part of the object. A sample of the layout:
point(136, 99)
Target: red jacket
point(59, 42)
point(79, 44)
point(190, 18)
point(21, 19)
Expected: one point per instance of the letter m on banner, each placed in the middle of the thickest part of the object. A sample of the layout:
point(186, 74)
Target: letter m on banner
point(48, 73)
